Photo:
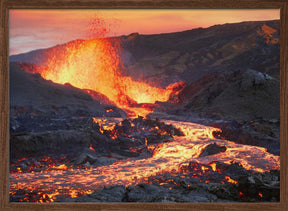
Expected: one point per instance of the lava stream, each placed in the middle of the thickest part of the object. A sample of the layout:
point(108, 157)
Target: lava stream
point(166, 157)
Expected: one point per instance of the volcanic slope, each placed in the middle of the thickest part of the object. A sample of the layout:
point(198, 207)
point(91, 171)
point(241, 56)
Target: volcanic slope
point(31, 93)
point(239, 94)
point(189, 55)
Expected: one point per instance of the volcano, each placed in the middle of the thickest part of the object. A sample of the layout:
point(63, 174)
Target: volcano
point(189, 116)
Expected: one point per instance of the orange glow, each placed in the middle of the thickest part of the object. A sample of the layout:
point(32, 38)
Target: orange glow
point(63, 167)
point(204, 168)
point(260, 194)
point(94, 65)
point(22, 159)
point(213, 166)
point(229, 179)
point(91, 147)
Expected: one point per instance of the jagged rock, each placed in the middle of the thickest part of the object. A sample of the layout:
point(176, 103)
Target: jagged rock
point(223, 191)
point(212, 149)
point(37, 144)
point(157, 139)
point(128, 153)
point(87, 156)
point(253, 78)
point(87, 165)
point(113, 194)
point(251, 133)
point(126, 143)
point(260, 186)
point(126, 126)
point(144, 193)
point(100, 143)
point(242, 94)
point(110, 194)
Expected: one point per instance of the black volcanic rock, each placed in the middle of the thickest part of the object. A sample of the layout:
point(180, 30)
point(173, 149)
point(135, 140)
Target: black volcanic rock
point(240, 94)
point(254, 132)
point(189, 55)
point(30, 93)
point(212, 149)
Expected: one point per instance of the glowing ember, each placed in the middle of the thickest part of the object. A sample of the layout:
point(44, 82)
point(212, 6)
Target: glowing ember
point(62, 167)
point(229, 179)
point(241, 195)
point(213, 166)
point(44, 164)
point(91, 147)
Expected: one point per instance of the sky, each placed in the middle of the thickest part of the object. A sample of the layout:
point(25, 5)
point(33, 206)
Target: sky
point(37, 29)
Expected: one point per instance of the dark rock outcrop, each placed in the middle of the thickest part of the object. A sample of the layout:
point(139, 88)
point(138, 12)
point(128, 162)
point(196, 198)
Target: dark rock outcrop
point(212, 149)
point(33, 94)
point(240, 94)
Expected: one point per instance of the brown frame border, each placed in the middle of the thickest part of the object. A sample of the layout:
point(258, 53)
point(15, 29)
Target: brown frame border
point(5, 5)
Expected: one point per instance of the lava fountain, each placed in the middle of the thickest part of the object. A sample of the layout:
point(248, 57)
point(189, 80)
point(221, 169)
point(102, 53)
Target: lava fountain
point(95, 65)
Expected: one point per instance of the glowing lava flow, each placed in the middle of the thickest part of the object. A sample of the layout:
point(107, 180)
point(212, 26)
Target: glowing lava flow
point(166, 158)
point(94, 64)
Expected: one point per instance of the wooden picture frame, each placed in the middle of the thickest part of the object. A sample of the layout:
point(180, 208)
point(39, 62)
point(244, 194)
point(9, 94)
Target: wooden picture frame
point(5, 5)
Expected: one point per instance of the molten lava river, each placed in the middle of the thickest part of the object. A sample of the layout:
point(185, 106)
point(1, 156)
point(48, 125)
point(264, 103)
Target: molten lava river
point(169, 157)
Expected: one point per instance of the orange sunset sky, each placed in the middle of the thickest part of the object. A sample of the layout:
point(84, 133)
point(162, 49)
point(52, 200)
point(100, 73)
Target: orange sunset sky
point(34, 29)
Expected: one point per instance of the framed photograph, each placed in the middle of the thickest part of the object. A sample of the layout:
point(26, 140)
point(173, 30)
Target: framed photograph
point(144, 105)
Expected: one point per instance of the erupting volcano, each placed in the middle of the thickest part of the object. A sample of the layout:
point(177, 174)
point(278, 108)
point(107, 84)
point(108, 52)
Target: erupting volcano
point(95, 65)
point(91, 121)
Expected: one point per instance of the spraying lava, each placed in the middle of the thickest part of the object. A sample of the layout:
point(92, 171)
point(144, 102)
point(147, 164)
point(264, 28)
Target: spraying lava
point(94, 65)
